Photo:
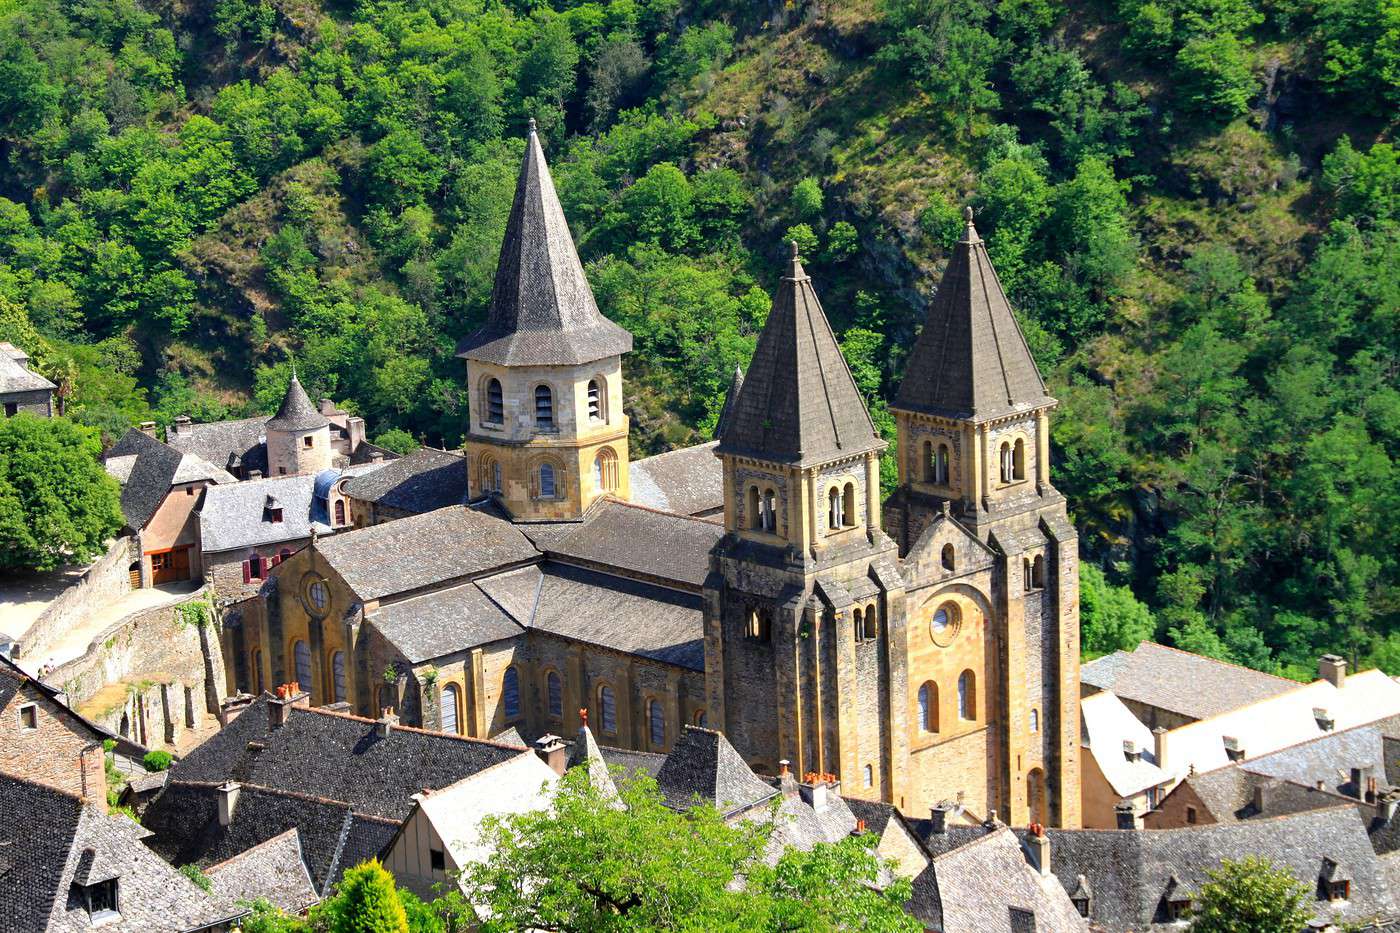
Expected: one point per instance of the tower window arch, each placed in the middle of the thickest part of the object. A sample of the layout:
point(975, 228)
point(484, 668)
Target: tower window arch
point(950, 559)
point(510, 693)
point(605, 473)
point(1035, 720)
point(769, 511)
point(928, 471)
point(1007, 464)
point(835, 510)
point(597, 399)
point(940, 465)
point(656, 722)
point(554, 693)
point(872, 623)
point(858, 624)
point(759, 626)
point(1018, 459)
point(967, 696)
point(495, 402)
point(1038, 572)
point(607, 709)
point(451, 697)
point(1026, 581)
point(301, 655)
point(544, 408)
point(548, 480)
point(928, 707)
point(848, 505)
point(490, 475)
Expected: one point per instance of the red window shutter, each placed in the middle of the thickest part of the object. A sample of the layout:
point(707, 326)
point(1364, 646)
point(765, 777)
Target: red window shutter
point(247, 573)
point(264, 565)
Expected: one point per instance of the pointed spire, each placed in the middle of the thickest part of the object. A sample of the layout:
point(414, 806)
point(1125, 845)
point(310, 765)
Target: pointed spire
point(971, 359)
point(797, 403)
point(730, 397)
point(297, 413)
point(542, 311)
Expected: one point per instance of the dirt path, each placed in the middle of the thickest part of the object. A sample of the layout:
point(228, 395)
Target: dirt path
point(75, 641)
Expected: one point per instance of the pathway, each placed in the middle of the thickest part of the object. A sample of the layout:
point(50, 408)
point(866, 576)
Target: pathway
point(75, 641)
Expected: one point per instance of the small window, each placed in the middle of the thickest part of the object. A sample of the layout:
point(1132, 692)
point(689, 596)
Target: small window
point(872, 623)
point(1081, 904)
point(769, 512)
point(189, 490)
point(1018, 459)
point(1191, 816)
point(302, 656)
point(274, 516)
point(1006, 463)
point(595, 400)
point(554, 690)
point(607, 710)
point(1038, 572)
point(254, 567)
point(450, 701)
point(339, 512)
point(699, 719)
point(754, 512)
point(869, 776)
point(858, 624)
point(100, 899)
point(930, 468)
point(848, 505)
point(835, 512)
point(656, 720)
point(967, 696)
point(940, 466)
point(760, 624)
point(29, 716)
point(1178, 909)
point(495, 402)
point(437, 859)
point(1338, 890)
point(928, 707)
point(510, 693)
point(949, 557)
point(544, 408)
point(308, 441)
point(548, 488)
point(281, 471)
point(1035, 720)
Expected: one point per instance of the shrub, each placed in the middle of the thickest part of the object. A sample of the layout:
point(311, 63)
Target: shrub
point(157, 760)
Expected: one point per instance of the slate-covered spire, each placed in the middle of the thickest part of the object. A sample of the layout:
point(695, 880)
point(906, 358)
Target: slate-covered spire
point(971, 359)
point(730, 397)
point(798, 403)
point(542, 311)
point(297, 413)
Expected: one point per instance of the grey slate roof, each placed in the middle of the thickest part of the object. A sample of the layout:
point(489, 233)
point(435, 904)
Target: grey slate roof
point(421, 550)
point(731, 395)
point(15, 376)
point(971, 359)
point(643, 541)
point(422, 481)
point(542, 311)
point(688, 481)
point(443, 622)
point(240, 443)
point(602, 609)
point(234, 516)
point(703, 765)
point(296, 412)
point(798, 403)
point(1184, 683)
point(150, 476)
point(273, 870)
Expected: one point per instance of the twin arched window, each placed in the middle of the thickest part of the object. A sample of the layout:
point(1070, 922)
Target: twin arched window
point(1034, 572)
point(656, 720)
point(554, 693)
point(763, 510)
point(495, 402)
point(928, 707)
point(451, 698)
point(301, 654)
point(510, 694)
point(867, 623)
point(936, 461)
point(605, 470)
point(490, 475)
point(967, 696)
point(544, 408)
point(841, 507)
point(607, 709)
point(1013, 461)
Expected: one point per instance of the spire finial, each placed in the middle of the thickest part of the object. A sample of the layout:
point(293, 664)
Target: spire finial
point(967, 213)
point(532, 126)
point(969, 231)
point(793, 244)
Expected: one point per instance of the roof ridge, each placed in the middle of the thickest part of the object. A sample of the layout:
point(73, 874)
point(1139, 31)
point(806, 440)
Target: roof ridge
point(321, 711)
point(655, 511)
point(674, 450)
point(261, 788)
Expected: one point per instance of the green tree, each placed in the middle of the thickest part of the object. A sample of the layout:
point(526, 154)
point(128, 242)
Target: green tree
point(57, 504)
point(807, 199)
point(365, 901)
point(1213, 76)
point(398, 440)
point(1250, 895)
point(1110, 617)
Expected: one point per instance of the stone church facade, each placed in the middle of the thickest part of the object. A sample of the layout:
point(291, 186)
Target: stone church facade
point(921, 649)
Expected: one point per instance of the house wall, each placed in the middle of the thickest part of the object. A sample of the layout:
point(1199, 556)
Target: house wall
point(175, 524)
point(60, 752)
point(409, 858)
point(101, 583)
point(288, 455)
point(1171, 812)
point(38, 402)
point(223, 571)
point(1100, 799)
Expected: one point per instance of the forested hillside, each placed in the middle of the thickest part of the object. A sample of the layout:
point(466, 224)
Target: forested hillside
point(1194, 203)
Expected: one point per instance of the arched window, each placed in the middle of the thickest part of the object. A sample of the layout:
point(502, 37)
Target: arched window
point(858, 624)
point(301, 654)
point(1027, 581)
point(949, 557)
point(760, 623)
point(770, 511)
point(388, 698)
point(510, 693)
point(940, 466)
point(450, 698)
point(495, 402)
point(1007, 466)
point(554, 691)
point(930, 471)
point(1038, 572)
point(1018, 459)
point(928, 707)
point(544, 408)
point(257, 672)
point(338, 676)
point(835, 515)
point(869, 776)
point(339, 512)
point(605, 469)
point(1035, 720)
point(596, 400)
point(967, 695)
point(548, 489)
point(872, 623)
point(754, 512)
point(699, 718)
point(489, 475)
point(656, 719)
point(607, 709)
point(848, 505)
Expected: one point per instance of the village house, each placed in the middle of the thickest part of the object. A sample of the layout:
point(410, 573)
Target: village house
point(22, 389)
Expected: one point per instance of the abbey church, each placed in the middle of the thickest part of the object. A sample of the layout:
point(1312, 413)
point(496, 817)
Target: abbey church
point(916, 650)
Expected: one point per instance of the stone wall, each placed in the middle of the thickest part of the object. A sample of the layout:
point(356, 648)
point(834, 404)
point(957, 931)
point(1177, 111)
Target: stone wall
point(148, 677)
point(224, 570)
point(50, 746)
point(38, 402)
point(106, 580)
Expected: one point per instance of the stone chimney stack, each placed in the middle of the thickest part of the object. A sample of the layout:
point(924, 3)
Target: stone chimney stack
point(232, 707)
point(814, 790)
point(386, 722)
point(148, 428)
point(1124, 817)
point(1159, 746)
point(787, 784)
point(183, 426)
point(1355, 783)
point(255, 474)
point(1333, 669)
point(1038, 848)
point(93, 763)
point(1260, 798)
point(940, 817)
point(228, 799)
point(376, 456)
point(553, 752)
point(288, 695)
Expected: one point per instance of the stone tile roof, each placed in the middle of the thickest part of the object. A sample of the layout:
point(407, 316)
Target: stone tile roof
point(296, 412)
point(605, 610)
point(1129, 871)
point(798, 403)
point(194, 468)
point(443, 622)
point(50, 841)
point(16, 376)
point(273, 870)
point(422, 481)
point(228, 444)
point(986, 886)
point(703, 765)
point(235, 516)
point(148, 477)
point(1181, 682)
point(542, 311)
point(731, 395)
point(422, 550)
point(688, 481)
point(630, 761)
point(642, 541)
point(971, 359)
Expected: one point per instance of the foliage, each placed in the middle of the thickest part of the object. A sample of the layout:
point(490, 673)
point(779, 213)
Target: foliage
point(598, 862)
point(57, 504)
point(156, 760)
point(1110, 617)
point(1250, 894)
point(398, 440)
point(365, 901)
point(194, 872)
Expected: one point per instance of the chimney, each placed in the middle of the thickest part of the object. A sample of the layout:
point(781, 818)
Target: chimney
point(814, 791)
point(553, 752)
point(1124, 817)
point(1355, 783)
point(1233, 749)
point(787, 784)
point(1259, 798)
point(228, 799)
point(183, 426)
point(148, 428)
point(233, 707)
point(328, 407)
point(1321, 784)
point(1370, 790)
point(255, 474)
point(376, 456)
point(1038, 848)
point(1333, 669)
point(288, 695)
point(1159, 746)
point(860, 828)
point(990, 823)
point(1325, 722)
point(386, 722)
point(940, 817)
point(355, 427)
point(92, 762)
point(1387, 804)
point(1130, 750)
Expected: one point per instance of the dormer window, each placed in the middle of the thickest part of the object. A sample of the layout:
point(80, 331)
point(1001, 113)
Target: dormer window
point(1178, 908)
point(100, 899)
point(1233, 749)
point(1338, 890)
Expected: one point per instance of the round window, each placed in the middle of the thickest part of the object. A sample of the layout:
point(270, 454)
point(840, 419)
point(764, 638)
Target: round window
point(944, 624)
point(316, 596)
